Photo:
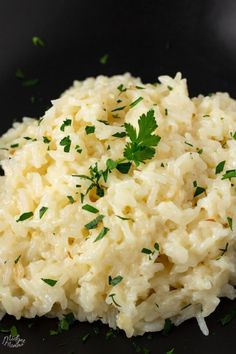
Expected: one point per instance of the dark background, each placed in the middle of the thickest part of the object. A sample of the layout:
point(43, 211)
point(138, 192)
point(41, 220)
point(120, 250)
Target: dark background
point(147, 38)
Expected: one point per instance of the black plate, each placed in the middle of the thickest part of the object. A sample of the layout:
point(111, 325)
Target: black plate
point(147, 38)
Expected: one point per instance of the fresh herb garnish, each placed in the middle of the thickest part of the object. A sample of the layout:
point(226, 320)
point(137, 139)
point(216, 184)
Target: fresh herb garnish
point(90, 129)
point(150, 252)
point(166, 112)
point(228, 318)
point(66, 123)
point(122, 218)
point(46, 140)
point(13, 331)
point(229, 174)
point(19, 74)
point(50, 282)
point(64, 324)
point(101, 234)
point(141, 147)
point(94, 178)
point(85, 337)
point(167, 327)
point(223, 250)
point(220, 167)
point(94, 223)
point(119, 134)
point(78, 149)
point(199, 190)
point(103, 121)
point(140, 87)
point(13, 146)
point(170, 88)
point(121, 88)
point(90, 208)
point(118, 109)
point(134, 103)
point(71, 199)
point(233, 135)
point(112, 297)
point(123, 167)
point(230, 222)
point(29, 138)
point(171, 351)
point(30, 82)
point(25, 216)
point(188, 144)
point(66, 142)
point(104, 59)
point(42, 211)
point(17, 259)
point(37, 41)
point(114, 281)
point(199, 151)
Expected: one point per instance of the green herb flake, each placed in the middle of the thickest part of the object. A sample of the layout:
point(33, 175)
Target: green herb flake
point(171, 351)
point(85, 337)
point(104, 59)
point(233, 135)
point(167, 327)
point(228, 318)
point(118, 109)
point(220, 167)
point(13, 146)
point(122, 218)
point(17, 259)
point(89, 129)
point(66, 123)
point(223, 250)
point(119, 135)
point(142, 145)
point(78, 149)
point(71, 199)
point(30, 82)
point(50, 282)
point(230, 223)
point(90, 208)
point(103, 121)
point(114, 281)
point(121, 88)
point(114, 301)
point(66, 142)
point(25, 216)
point(170, 88)
point(166, 112)
point(140, 87)
point(94, 223)
point(13, 331)
point(199, 151)
point(134, 103)
point(123, 167)
point(46, 140)
point(229, 174)
point(198, 191)
point(37, 41)
point(52, 332)
point(146, 251)
point(101, 234)
point(188, 144)
point(19, 74)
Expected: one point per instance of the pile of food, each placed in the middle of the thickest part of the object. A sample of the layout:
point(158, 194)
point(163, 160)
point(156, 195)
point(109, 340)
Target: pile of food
point(119, 204)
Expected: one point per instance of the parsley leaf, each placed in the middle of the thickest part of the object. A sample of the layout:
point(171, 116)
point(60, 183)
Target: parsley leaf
point(90, 129)
point(78, 149)
point(229, 174)
point(118, 109)
point(167, 327)
point(50, 282)
point(171, 351)
point(220, 167)
point(37, 41)
point(66, 123)
point(30, 82)
point(121, 88)
point(101, 234)
point(66, 142)
point(230, 222)
point(198, 191)
point(94, 223)
point(71, 199)
point(112, 297)
point(42, 211)
point(17, 259)
point(122, 218)
point(25, 216)
point(19, 74)
point(104, 59)
point(119, 134)
point(46, 140)
point(114, 281)
point(13, 146)
point(134, 103)
point(228, 318)
point(90, 208)
point(141, 147)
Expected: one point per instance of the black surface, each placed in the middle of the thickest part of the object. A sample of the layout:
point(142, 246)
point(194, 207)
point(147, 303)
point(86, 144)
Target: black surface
point(147, 38)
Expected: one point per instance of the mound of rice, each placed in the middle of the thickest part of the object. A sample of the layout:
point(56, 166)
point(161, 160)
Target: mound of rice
point(169, 247)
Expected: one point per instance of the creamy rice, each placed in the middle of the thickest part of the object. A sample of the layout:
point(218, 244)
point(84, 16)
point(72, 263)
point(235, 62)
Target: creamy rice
point(195, 263)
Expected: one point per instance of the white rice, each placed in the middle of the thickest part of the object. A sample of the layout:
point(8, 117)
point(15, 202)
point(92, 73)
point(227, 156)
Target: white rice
point(188, 275)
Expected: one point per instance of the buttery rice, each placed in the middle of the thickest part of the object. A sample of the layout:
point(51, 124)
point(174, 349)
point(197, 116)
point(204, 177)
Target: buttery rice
point(195, 264)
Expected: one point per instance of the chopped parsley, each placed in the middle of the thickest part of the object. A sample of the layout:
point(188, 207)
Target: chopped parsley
point(233, 135)
point(64, 324)
point(229, 174)
point(150, 252)
point(114, 281)
point(220, 167)
point(42, 211)
point(166, 112)
point(142, 145)
point(13, 331)
point(71, 199)
point(50, 282)
point(78, 149)
point(17, 259)
point(66, 142)
point(13, 146)
point(140, 87)
point(171, 351)
point(19, 74)
point(199, 151)
point(119, 134)
point(94, 223)
point(167, 327)
point(118, 109)
point(29, 138)
point(199, 190)
point(101, 234)
point(104, 59)
point(85, 337)
point(37, 41)
point(30, 82)
point(134, 103)
point(25, 216)
point(112, 297)
point(123, 167)
point(94, 178)
point(90, 208)
point(230, 222)
point(188, 144)
point(121, 88)
point(122, 218)
point(170, 88)
point(90, 129)
point(103, 121)
point(223, 250)
point(66, 123)
point(46, 140)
